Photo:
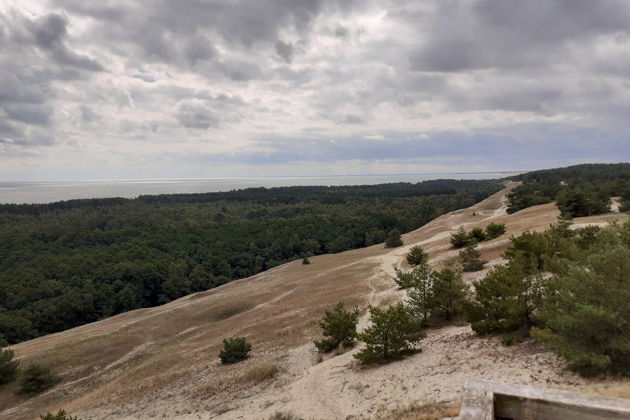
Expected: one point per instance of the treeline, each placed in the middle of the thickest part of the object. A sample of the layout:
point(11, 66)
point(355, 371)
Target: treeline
point(69, 263)
point(580, 190)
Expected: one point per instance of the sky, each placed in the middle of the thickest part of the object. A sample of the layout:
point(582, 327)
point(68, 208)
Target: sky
point(228, 88)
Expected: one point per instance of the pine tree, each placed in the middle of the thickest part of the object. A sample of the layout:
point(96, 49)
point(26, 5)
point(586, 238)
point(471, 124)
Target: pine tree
point(420, 293)
point(392, 334)
point(449, 292)
point(587, 316)
point(339, 326)
point(460, 238)
point(470, 260)
point(393, 239)
point(494, 230)
point(505, 300)
point(417, 256)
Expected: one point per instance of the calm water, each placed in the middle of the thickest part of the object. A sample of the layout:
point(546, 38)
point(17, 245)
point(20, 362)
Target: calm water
point(46, 192)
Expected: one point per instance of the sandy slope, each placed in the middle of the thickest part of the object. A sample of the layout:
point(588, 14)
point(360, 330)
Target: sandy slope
point(162, 362)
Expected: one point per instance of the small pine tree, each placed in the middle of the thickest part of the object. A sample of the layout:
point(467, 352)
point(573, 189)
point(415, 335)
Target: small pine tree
point(417, 256)
point(339, 326)
point(393, 239)
point(393, 333)
point(305, 261)
point(477, 235)
point(234, 350)
point(8, 366)
point(420, 293)
point(494, 230)
point(449, 292)
point(505, 300)
point(37, 378)
point(460, 238)
point(470, 258)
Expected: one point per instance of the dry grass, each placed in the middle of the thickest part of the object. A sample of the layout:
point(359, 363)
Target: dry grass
point(260, 373)
point(418, 411)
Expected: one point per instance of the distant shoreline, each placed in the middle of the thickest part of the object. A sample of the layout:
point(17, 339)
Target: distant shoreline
point(40, 192)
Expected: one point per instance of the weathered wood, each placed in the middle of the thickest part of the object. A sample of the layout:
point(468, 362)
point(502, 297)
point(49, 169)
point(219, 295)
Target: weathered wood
point(488, 400)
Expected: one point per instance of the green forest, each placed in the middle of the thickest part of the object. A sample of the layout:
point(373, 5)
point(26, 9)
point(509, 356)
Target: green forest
point(580, 190)
point(68, 263)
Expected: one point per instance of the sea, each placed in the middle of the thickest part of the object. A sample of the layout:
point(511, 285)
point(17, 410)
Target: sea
point(47, 192)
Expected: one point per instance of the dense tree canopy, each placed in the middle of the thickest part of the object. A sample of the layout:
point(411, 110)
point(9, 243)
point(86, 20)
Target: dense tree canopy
point(579, 190)
point(68, 263)
point(570, 288)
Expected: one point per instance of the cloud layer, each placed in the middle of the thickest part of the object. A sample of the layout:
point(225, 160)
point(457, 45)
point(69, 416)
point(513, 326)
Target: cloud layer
point(203, 88)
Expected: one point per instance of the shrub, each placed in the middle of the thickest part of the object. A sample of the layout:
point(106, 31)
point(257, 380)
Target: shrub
point(306, 261)
point(37, 378)
point(417, 256)
point(61, 415)
point(8, 366)
point(460, 238)
point(494, 230)
point(392, 334)
point(470, 260)
point(393, 239)
point(339, 327)
point(234, 350)
point(477, 235)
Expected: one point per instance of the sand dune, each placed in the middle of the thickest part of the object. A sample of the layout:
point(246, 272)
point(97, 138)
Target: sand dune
point(162, 362)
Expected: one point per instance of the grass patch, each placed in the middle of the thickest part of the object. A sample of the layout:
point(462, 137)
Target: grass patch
point(417, 411)
point(260, 373)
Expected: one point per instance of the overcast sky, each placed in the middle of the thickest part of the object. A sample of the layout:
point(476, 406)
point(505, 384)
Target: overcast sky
point(211, 88)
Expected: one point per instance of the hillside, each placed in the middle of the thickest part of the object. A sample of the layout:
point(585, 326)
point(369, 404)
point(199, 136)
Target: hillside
point(162, 361)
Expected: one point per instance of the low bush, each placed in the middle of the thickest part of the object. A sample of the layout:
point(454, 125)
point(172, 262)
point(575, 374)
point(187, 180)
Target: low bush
point(234, 350)
point(494, 230)
point(37, 378)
